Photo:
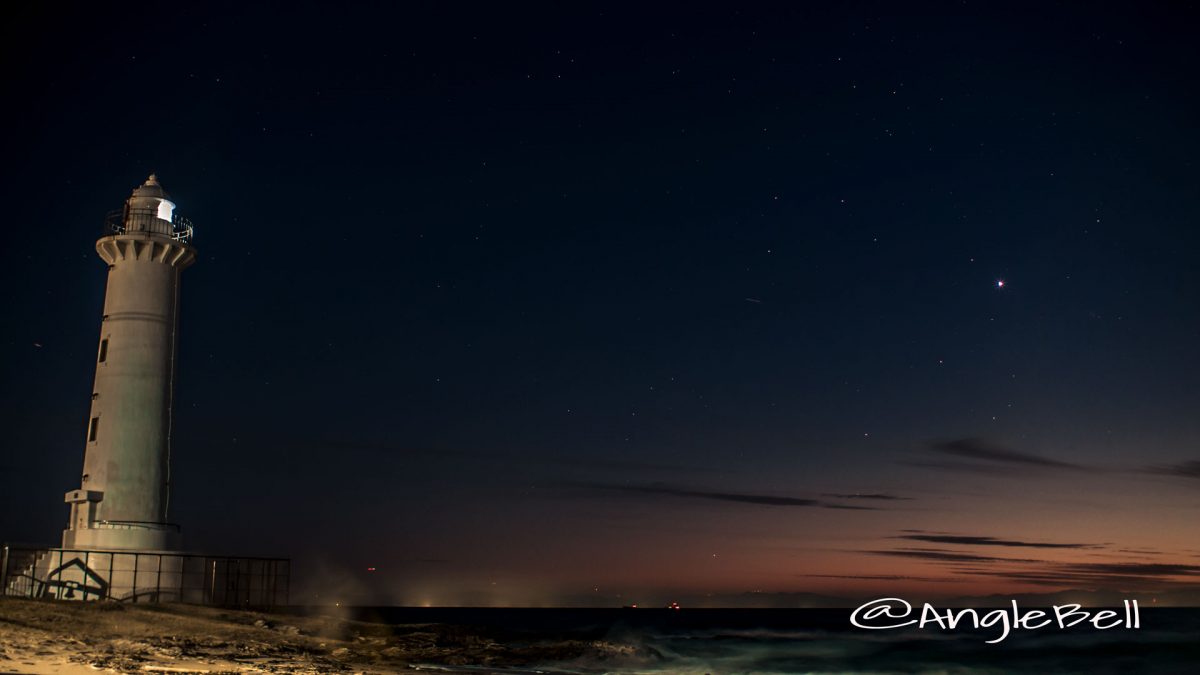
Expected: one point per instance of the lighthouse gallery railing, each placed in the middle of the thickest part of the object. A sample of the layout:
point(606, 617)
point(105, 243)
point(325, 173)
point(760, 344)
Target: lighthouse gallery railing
point(126, 221)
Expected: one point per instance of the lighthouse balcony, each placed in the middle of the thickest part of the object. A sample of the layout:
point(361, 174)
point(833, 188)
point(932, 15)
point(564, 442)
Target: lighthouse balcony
point(137, 220)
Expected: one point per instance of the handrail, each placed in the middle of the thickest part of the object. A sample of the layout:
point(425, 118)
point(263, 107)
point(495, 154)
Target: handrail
point(135, 525)
point(125, 221)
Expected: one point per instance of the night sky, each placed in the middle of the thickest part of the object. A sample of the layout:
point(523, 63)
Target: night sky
point(593, 304)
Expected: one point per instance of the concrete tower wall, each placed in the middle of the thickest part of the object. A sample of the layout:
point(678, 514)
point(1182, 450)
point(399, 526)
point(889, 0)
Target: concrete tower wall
point(128, 458)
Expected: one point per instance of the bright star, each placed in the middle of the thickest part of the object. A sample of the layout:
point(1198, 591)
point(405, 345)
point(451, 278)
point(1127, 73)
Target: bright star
point(999, 283)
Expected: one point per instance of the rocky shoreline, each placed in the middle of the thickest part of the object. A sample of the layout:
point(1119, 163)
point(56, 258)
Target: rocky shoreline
point(67, 638)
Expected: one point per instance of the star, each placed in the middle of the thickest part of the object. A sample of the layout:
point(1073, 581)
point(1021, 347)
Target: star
point(999, 283)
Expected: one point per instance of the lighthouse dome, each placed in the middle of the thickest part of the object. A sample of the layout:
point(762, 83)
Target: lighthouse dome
point(150, 189)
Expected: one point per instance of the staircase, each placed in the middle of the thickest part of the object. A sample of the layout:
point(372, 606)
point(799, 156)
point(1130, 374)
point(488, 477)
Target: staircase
point(22, 568)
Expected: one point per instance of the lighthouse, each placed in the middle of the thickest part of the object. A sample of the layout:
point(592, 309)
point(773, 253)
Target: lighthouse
point(124, 489)
point(119, 543)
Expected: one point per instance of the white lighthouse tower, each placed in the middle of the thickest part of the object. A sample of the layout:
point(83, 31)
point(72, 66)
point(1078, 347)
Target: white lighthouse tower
point(122, 500)
point(119, 544)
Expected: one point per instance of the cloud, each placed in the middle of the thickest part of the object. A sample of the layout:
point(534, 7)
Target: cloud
point(1182, 470)
point(975, 455)
point(979, 450)
point(1094, 575)
point(621, 465)
point(965, 467)
point(1063, 578)
point(964, 540)
point(942, 555)
point(1136, 569)
point(1112, 576)
point(874, 496)
point(876, 577)
point(768, 500)
point(1140, 551)
point(721, 496)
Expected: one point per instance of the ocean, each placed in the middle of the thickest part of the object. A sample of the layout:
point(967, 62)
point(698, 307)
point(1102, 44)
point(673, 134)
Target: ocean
point(768, 641)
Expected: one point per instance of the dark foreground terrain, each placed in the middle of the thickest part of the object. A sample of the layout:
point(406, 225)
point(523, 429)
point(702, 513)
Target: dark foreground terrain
point(69, 638)
point(72, 638)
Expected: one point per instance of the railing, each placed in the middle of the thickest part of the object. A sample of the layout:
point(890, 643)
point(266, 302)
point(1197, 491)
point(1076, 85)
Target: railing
point(141, 576)
point(133, 525)
point(126, 221)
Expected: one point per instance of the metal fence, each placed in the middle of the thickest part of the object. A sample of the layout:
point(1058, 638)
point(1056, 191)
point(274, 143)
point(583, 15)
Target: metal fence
point(144, 576)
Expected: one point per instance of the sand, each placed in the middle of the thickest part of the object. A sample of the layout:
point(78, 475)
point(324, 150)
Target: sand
point(71, 638)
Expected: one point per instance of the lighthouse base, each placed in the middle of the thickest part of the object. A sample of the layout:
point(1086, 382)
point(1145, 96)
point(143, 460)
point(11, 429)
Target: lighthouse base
point(86, 531)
